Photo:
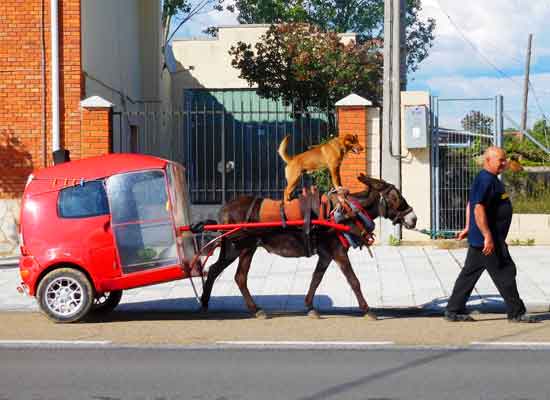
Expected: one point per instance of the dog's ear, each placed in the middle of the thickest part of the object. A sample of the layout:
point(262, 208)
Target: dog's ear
point(514, 165)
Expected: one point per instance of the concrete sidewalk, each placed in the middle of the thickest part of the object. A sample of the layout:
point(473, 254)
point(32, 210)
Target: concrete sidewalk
point(397, 277)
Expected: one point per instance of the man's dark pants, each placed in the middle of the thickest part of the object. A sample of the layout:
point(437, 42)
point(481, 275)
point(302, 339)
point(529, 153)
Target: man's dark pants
point(502, 270)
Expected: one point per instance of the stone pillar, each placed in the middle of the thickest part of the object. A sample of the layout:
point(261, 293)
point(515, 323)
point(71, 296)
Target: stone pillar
point(97, 129)
point(353, 115)
point(9, 227)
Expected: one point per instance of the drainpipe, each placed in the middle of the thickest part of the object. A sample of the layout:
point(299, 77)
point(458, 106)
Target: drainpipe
point(55, 74)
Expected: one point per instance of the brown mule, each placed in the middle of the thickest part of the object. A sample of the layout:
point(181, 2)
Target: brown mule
point(378, 199)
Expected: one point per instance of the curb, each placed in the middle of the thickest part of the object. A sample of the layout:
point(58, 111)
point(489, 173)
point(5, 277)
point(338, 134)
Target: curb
point(313, 346)
point(9, 262)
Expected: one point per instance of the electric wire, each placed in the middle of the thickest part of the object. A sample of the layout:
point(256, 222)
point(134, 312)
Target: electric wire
point(496, 68)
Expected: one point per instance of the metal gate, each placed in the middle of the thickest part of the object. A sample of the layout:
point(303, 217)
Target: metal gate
point(230, 142)
point(226, 139)
point(461, 131)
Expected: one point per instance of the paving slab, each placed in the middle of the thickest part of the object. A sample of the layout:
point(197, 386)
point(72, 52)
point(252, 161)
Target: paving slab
point(406, 276)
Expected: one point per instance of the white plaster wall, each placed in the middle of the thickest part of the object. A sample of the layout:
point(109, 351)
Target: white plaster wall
point(206, 63)
point(121, 48)
point(373, 142)
point(415, 172)
point(530, 226)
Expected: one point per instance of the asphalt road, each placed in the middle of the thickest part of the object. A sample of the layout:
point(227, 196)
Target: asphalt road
point(273, 374)
point(401, 327)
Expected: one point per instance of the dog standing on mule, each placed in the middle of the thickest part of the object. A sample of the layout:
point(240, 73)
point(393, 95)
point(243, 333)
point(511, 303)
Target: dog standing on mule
point(327, 155)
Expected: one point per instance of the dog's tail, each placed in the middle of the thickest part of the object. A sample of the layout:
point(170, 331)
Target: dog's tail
point(282, 150)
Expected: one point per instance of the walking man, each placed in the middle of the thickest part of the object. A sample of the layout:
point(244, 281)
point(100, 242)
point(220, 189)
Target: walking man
point(488, 218)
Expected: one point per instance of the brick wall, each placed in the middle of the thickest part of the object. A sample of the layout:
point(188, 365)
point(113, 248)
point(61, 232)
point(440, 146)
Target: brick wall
point(353, 119)
point(96, 129)
point(21, 83)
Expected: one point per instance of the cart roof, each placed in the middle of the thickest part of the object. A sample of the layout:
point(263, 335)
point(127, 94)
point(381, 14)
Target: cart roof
point(100, 167)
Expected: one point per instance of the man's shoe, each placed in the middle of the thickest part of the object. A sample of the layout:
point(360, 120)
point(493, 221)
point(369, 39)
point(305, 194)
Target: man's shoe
point(457, 317)
point(524, 318)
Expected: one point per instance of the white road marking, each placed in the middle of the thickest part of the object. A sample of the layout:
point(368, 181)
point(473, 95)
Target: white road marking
point(512, 344)
point(53, 343)
point(268, 343)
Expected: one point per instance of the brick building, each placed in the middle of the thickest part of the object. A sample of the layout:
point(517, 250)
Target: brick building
point(105, 48)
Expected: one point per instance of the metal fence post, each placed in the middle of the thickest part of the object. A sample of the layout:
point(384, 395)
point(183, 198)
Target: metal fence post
point(224, 188)
point(499, 121)
point(436, 165)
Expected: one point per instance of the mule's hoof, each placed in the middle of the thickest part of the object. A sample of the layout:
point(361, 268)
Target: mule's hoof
point(313, 313)
point(371, 316)
point(261, 314)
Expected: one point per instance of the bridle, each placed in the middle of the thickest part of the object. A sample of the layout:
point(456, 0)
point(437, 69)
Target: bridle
point(383, 205)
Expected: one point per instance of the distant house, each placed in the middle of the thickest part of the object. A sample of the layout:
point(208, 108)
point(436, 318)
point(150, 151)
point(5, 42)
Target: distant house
point(514, 134)
point(107, 48)
point(205, 63)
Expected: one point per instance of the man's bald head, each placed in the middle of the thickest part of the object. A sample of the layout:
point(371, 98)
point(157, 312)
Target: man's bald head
point(493, 151)
point(494, 160)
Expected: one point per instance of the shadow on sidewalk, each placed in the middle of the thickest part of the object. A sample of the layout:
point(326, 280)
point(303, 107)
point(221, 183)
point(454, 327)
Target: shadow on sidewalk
point(233, 307)
point(484, 303)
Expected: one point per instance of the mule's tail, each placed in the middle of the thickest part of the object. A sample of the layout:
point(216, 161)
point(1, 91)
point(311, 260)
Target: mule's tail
point(282, 150)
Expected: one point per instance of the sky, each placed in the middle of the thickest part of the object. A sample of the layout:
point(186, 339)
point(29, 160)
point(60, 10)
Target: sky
point(479, 51)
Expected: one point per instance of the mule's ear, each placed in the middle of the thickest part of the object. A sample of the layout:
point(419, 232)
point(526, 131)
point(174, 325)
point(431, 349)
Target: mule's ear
point(362, 178)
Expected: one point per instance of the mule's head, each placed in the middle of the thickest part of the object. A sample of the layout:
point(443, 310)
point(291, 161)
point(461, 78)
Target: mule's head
point(391, 203)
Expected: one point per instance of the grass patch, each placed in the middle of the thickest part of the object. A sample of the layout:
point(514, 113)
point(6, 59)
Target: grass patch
point(519, 242)
point(539, 204)
point(393, 241)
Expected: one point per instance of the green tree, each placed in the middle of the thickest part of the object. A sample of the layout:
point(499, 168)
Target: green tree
point(526, 151)
point(477, 122)
point(363, 17)
point(307, 67)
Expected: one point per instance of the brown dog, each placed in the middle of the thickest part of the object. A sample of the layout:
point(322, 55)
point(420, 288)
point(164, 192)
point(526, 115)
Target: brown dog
point(328, 155)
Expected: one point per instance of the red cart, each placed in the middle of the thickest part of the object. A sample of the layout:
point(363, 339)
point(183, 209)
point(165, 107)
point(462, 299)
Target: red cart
point(92, 228)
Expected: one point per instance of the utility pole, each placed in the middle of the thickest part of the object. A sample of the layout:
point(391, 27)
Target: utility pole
point(394, 82)
point(526, 84)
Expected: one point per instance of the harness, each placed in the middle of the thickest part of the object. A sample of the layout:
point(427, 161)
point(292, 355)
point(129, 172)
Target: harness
point(350, 212)
point(383, 206)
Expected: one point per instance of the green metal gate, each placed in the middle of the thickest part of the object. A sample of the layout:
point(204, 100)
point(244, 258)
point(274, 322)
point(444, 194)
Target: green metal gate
point(230, 142)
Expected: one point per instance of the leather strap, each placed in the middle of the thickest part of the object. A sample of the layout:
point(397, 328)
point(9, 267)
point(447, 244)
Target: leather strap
point(283, 215)
point(251, 209)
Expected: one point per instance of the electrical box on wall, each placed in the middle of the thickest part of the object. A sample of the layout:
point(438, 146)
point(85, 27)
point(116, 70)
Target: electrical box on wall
point(416, 127)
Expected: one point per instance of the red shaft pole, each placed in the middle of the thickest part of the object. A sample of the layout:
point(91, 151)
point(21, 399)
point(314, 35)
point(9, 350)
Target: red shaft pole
point(275, 224)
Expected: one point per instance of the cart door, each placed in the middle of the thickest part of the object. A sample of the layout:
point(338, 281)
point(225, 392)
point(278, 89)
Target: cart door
point(141, 220)
point(179, 197)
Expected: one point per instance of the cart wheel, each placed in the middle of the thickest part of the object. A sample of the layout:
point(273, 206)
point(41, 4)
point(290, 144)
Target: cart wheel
point(65, 295)
point(106, 302)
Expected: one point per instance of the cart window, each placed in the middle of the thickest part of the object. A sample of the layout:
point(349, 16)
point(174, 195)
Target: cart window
point(141, 220)
point(87, 200)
